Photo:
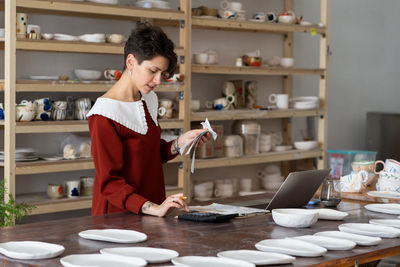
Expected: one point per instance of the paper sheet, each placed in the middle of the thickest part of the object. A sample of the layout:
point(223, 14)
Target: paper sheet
point(194, 143)
point(228, 209)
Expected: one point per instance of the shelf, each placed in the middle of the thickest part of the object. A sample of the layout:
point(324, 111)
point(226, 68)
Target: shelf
point(249, 26)
point(244, 114)
point(76, 86)
point(86, 9)
point(74, 47)
point(70, 126)
point(256, 159)
point(43, 166)
point(232, 70)
point(46, 205)
point(171, 123)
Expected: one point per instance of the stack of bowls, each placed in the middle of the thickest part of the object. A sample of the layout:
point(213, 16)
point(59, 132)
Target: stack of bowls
point(304, 102)
point(265, 143)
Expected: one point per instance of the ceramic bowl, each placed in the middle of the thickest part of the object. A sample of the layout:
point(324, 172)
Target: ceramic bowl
point(287, 62)
point(115, 38)
point(87, 74)
point(47, 36)
point(298, 218)
point(200, 58)
point(306, 145)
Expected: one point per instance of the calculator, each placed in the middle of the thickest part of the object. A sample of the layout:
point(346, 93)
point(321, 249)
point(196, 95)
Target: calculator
point(206, 216)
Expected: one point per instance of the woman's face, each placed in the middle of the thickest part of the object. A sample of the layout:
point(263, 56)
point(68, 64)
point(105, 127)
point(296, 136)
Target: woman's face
point(149, 73)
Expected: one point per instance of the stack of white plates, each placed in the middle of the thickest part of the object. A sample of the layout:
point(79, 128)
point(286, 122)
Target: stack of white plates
point(65, 37)
point(153, 4)
point(109, 2)
point(93, 38)
point(305, 102)
point(23, 154)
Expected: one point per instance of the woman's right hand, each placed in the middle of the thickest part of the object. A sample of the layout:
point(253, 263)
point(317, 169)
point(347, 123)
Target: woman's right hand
point(172, 201)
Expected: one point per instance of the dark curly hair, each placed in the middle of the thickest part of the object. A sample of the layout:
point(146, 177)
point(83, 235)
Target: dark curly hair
point(147, 42)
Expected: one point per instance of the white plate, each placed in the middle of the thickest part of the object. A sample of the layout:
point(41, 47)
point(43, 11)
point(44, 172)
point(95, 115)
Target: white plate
point(330, 214)
point(114, 235)
point(291, 247)
point(109, 2)
point(250, 193)
point(384, 194)
point(151, 255)
point(329, 243)
point(30, 250)
point(360, 240)
point(370, 230)
point(390, 208)
point(257, 257)
point(36, 77)
point(101, 260)
point(52, 157)
point(198, 261)
point(65, 37)
point(387, 222)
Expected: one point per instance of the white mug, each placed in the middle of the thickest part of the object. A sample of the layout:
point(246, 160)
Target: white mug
point(223, 190)
point(390, 165)
point(245, 184)
point(73, 188)
point(195, 104)
point(281, 100)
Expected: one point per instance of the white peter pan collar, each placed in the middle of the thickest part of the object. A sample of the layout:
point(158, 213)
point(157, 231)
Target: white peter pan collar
point(129, 114)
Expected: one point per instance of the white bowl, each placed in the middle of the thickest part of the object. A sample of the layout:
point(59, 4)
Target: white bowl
point(200, 58)
point(47, 36)
point(287, 62)
point(88, 74)
point(298, 218)
point(306, 145)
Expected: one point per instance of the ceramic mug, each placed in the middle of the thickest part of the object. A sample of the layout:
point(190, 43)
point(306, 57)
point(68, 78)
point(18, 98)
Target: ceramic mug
point(260, 16)
point(367, 166)
point(223, 190)
point(287, 17)
point(246, 184)
point(22, 25)
point(55, 191)
point(223, 102)
point(195, 104)
point(388, 185)
point(390, 165)
point(113, 75)
point(73, 188)
point(166, 103)
point(281, 100)
point(354, 182)
point(271, 17)
point(228, 88)
point(87, 186)
point(25, 111)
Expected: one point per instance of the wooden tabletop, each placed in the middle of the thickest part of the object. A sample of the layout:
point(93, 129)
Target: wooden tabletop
point(192, 238)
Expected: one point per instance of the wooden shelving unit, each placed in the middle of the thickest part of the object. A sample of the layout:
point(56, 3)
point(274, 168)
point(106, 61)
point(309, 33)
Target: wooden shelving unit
point(12, 86)
point(183, 20)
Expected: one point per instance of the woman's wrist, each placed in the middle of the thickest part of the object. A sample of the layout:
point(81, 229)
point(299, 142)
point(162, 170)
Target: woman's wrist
point(175, 146)
point(149, 208)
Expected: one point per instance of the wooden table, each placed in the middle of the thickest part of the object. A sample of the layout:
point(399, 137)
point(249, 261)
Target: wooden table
point(191, 238)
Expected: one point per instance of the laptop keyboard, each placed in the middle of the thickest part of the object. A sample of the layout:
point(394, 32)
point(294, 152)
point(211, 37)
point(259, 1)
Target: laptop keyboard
point(258, 203)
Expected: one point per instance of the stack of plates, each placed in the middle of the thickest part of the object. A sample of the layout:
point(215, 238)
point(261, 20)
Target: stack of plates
point(305, 102)
point(22, 154)
point(109, 2)
point(65, 37)
point(93, 38)
point(153, 4)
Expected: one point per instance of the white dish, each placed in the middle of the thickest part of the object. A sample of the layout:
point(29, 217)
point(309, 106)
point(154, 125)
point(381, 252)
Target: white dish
point(30, 250)
point(360, 240)
point(384, 194)
point(370, 230)
point(88, 74)
point(305, 105)
point(52, 157)
point(257, 257)
point(291, 247)
point(386, 222)
point(114, 235)
point(329, 243)
point(306, 145)
point(47, 36)
point(330, 214)
point(389, 208)
point(65, 37)
point(151, 255)
point(101, 260)
point(109, 2)
point(250, 193)
point(198, 261)
point(41, 77)
point(299, 218)
point(281, 148)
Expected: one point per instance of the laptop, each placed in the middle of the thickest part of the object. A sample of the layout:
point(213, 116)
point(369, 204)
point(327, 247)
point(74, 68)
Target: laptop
point(297, 190)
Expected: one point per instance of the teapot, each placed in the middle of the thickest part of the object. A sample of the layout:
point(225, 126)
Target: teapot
point(287, 17)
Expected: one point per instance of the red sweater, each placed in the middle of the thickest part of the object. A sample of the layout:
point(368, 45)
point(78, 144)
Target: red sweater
point(128, 165)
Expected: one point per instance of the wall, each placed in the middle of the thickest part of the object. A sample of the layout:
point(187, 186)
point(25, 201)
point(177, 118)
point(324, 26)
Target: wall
point(362, 70)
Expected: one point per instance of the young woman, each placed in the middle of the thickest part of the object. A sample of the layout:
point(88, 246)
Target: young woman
point(126, 146)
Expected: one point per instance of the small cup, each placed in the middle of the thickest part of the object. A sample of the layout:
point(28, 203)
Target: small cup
point(281, 100)
point(166, 103)
point(224, 190)
point(287, 62)
point(246, 184)
point(55, 191)
point(195, 104)
point(73, 188)
point(200, 58)
point(87, 186)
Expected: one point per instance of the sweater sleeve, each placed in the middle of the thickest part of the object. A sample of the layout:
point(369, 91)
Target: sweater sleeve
point(108, 161)
point(165, 148)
